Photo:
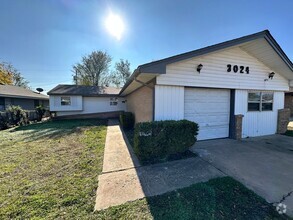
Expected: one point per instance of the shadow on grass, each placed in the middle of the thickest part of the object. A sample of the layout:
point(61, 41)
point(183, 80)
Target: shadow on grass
point(220, 198)
point(56, 129)
point(289, 133)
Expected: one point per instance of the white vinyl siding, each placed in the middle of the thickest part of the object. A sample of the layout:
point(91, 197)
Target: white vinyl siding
point(210, 108)
point(214, 72)
point(169, 102)
point(91, 105)
point(75, 103)
point(258, 123)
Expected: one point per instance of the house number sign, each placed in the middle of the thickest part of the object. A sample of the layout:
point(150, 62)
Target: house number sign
point(236, 69)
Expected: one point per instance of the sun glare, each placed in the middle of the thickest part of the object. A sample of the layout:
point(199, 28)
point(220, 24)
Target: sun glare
point(115, 25)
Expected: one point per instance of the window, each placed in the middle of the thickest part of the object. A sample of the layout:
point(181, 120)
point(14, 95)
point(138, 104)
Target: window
point(65, 101)
point(260, 101)
point(113, 101)
point(2, 104)
point(36, 103)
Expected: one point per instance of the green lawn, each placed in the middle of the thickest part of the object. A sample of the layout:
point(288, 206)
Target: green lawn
point(289, 133)
point(49, 171)
point(221, 198)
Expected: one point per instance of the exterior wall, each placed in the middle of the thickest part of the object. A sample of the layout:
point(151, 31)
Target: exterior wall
point(92, 105)
point(26, 104)
point(258, 123)
point(214, 72)
point(289, 102)
point(169, 102)
point(55, 103)
point(140, 103)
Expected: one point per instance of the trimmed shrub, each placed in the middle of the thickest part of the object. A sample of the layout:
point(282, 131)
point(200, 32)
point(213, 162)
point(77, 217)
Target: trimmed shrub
point(160, 139)
point(40, 112)
point(4, 122)
point(16, 115)
point(127, 120)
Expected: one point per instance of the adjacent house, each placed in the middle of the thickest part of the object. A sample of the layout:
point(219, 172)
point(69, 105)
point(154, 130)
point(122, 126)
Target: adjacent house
point(25, 98)
point(238, 83)
point(74, 100)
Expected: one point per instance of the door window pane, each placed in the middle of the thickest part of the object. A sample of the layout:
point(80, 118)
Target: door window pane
point(254, 97)
point(253, 106)
point(267, 107)
point(267, 97)
point(65, 101)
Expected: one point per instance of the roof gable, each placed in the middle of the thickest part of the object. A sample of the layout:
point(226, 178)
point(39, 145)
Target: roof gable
point(265, 49)
point(160, 65)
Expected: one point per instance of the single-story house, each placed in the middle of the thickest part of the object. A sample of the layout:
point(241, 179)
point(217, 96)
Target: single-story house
point(25, 98)
point(235, 88)
point(72, 100)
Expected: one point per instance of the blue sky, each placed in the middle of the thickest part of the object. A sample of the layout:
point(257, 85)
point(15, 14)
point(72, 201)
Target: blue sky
point(44, 38)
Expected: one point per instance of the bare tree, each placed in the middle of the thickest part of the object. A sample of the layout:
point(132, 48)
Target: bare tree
point(93, 69)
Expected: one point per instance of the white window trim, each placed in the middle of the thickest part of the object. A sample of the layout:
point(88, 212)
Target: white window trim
point(260, 102)
point(65, 97)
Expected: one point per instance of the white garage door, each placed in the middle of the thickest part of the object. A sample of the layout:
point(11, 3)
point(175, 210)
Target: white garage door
point(210, 108)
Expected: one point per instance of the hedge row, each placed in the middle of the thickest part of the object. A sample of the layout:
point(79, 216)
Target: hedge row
point(15, 115)
point(160, 139)
point(126, 120)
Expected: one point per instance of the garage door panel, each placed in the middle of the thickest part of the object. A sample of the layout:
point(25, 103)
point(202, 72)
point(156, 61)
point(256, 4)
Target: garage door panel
point(210, 108)
point(208, 119)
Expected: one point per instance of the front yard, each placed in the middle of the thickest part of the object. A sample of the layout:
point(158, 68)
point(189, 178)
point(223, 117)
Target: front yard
point(50, 171)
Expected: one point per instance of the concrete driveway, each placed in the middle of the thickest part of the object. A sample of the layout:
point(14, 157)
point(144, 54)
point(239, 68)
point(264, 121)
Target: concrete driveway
point(263, 164)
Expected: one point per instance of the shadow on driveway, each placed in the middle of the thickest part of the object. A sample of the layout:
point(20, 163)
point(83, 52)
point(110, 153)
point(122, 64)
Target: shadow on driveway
point(263, 164)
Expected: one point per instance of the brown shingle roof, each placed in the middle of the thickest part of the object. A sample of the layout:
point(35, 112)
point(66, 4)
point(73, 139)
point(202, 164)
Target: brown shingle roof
point(83, 90)
point(19, 92)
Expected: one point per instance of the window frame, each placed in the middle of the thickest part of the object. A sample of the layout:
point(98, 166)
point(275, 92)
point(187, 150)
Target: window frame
point(2, 103)
point(113, 101)
point(260, 102)
point(63, 103)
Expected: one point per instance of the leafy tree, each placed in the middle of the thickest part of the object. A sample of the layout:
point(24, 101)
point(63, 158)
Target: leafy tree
point(11, 76)
point(5, 76)
point(93, 69)
point(122, 73)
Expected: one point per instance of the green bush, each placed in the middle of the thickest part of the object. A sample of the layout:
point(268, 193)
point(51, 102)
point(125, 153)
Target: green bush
point(16, 115)
point(40, 112)
point(127, 120)
point(160, 139)
point(4, 122)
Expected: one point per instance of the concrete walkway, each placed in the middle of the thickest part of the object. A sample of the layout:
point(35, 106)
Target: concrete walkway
point(117, 155)
point(123, 179)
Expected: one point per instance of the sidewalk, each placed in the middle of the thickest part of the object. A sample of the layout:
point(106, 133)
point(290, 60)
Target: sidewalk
point(124, 180)
point(117, 155)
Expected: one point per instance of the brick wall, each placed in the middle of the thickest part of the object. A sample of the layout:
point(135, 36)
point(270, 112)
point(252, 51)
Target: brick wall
point(140, 103)
point(289, 102)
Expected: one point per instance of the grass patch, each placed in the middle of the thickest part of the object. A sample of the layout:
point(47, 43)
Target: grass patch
point(49, 170)
point(187, 154)
point(289, 133)
point(55, 175)
point(221, 198)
